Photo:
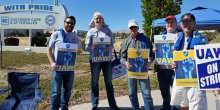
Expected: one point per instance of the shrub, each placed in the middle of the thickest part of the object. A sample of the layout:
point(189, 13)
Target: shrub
point(38, 41)
point(211, 35)
point(11, 41)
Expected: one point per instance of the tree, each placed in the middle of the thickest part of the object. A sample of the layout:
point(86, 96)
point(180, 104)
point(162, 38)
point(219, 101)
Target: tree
point(155, 9)
point(211, 35)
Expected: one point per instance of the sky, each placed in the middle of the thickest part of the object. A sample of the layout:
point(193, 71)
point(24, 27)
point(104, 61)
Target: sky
point(116, 13)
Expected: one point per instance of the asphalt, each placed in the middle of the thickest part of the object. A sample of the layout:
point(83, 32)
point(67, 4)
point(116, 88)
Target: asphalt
point(123, 102)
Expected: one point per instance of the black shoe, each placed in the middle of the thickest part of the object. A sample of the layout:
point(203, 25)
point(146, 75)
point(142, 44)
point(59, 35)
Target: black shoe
point(114, 108)
point(94, 108)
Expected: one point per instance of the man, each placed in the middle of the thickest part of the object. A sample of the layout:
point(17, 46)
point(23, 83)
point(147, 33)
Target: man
point(60, 78)
point(139, 41)
point(165, 74)
point(188, 97)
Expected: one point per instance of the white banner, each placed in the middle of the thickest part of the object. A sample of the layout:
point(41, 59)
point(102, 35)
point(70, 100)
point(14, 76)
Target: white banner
point(29, 7)
point(29, 21)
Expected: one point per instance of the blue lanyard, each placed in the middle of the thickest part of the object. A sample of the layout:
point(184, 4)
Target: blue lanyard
point(65, 40)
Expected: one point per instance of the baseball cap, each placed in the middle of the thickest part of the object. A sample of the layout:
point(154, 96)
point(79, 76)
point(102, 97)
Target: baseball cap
point(171, 17)
point(132, 22)
point(188, 17)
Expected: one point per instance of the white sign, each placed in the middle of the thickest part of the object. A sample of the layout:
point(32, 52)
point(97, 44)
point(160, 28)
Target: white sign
point(29, 7)
point(208, 66)
point(29, 21)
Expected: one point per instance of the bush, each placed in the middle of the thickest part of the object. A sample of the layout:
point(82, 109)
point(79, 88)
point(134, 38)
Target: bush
point(11, 41)
point(38, 41)
point(83, 44)
point(211, 35)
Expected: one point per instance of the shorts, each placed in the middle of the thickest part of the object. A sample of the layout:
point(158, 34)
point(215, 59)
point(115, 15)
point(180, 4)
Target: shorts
point(190, 97)
point(179, 97)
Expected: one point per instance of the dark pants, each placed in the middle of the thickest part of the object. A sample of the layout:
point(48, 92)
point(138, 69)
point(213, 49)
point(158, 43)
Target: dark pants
point(106, 68)
point(165, 79)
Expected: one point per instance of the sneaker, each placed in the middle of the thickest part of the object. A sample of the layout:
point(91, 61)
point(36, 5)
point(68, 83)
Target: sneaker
point(114, 108)
point(94, 108)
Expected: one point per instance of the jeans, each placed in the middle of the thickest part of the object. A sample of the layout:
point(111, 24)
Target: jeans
point(58, 79)
point(145, 90)
point(106, 68)
point(165, 79)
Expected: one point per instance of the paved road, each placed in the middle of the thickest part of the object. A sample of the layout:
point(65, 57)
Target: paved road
point(124, 103)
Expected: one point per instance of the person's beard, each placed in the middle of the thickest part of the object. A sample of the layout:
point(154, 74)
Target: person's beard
point(69, 29)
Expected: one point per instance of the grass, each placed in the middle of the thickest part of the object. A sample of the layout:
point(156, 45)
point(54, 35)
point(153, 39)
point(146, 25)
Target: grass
point(81, 87)
point(13, 59)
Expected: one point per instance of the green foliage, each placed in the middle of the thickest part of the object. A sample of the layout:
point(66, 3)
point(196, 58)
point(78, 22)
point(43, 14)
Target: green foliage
point(40, 39)
point(121, 35)
point(82, 34)
point(154, 82)
point(11, 41)
point(211, 35)
point(155, 9)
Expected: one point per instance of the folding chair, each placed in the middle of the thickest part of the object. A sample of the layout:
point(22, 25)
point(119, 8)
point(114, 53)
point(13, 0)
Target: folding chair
point(24, 94)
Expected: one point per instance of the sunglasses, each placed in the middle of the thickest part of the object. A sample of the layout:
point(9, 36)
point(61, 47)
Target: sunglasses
point(69, 22)
point(133, 27)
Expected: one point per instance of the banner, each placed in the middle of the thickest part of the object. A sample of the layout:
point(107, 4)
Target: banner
point(208, 66)
point(66, 56)
point(185, 72)
point(29, 21)
point(100, 51)
point(138, 58)
point(164, 52)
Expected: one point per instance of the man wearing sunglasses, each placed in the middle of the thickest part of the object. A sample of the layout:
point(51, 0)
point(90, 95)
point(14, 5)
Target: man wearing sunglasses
point(138, 41)
point(189, 98)
point(60, 78)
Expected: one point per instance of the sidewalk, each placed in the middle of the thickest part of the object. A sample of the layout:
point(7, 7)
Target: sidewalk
point(124, 102)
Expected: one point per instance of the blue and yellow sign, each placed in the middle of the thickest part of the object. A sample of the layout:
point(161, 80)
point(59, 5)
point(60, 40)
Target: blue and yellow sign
point(186, 68)
point(138, 58)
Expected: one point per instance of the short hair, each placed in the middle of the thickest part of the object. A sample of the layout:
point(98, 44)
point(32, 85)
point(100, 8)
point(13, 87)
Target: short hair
point(71, 17)
point(188, 16)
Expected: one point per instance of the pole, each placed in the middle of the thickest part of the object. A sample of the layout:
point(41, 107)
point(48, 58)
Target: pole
point(55, 2)
point(30, 31)
point(1, 53)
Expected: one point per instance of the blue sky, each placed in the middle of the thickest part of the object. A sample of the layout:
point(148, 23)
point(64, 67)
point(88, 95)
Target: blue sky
point(116, 12)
